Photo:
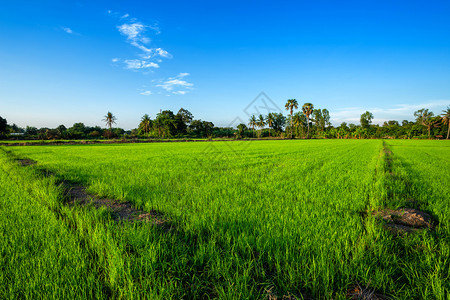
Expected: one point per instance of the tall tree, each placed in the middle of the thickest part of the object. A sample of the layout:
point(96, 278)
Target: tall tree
point(110, 119)
point(3, 125)
point(299, 122)
point(252, 123)
point(366, 119)
point(290, 105)
point(318, 119)
point(185, 116)
point(278, 122)
point(425, 118)
point(241, 129)
point(166, 123)
point(269, 120)
point(146, 124)
point(326, 117)
point(307, 109)
point(208, 126)
point(261, 123)
point(446, 119)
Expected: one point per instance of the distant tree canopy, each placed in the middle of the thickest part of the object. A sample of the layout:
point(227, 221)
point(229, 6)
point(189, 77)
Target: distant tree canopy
point(3, 125)
point(299, 122)
point(366, 119)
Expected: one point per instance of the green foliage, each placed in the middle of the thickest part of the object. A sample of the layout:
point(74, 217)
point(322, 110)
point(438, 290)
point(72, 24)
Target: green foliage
point(145, 125)
point(109, 119)
point(307, 109)
point(309, 123)
point(366, 119)
point(3, 126)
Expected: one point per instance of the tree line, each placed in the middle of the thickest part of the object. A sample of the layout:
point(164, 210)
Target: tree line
point(308, 122)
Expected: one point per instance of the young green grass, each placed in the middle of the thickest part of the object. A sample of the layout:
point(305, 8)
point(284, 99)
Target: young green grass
point(252, 216)
point(40, 257)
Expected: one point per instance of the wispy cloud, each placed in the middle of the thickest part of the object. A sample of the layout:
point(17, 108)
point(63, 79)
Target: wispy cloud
point(134, 32)
point(137, 35)
point(156, 52)
point(397, 112)
point(180, 92)
point(176, 85)
point(67, 29)
point(139, 64)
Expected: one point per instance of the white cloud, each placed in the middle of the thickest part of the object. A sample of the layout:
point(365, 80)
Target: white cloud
point(155, 52)
point(139, 64)
point(136, 34)
point(180, 92)
point(133, 31)
point(67, 29)
point(142, 47)
point(176, 85)
point(163, 53)
point(170, 84)
point(397, 112)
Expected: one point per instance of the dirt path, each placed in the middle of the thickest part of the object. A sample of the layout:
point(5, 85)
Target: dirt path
point(120, 211)
point(404, 219)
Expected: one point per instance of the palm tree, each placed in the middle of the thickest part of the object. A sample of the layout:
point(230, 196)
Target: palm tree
point(308, 109)
point(110, 119)
point(146, 123)
point(252, 123)
point(290, 105)
point(269, 119)
point(298, 121)
point(425, 117)
point(260, 123)
point(446, 119)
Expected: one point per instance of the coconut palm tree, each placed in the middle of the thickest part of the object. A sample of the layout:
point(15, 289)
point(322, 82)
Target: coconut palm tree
point(425, 117)
point(446, 119)
point(146, 123)
point(110, 119)
point(261, 122)
point(307, 109)
point(269, 119)
point(290, 105)
point(252, 123)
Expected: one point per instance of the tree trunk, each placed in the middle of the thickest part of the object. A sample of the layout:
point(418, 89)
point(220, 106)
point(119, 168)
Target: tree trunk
point(291, 124)
point(307, 134)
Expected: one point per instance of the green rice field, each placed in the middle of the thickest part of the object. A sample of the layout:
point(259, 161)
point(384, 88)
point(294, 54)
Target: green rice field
point(244, 220)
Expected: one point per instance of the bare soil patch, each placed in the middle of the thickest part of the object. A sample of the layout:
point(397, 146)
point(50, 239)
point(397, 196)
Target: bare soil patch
point(405, 219)
point(120, 211)
point(364, 293)
point(26, 162)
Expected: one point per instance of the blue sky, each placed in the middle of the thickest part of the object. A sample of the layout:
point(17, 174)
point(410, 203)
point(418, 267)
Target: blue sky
point(63, 62)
